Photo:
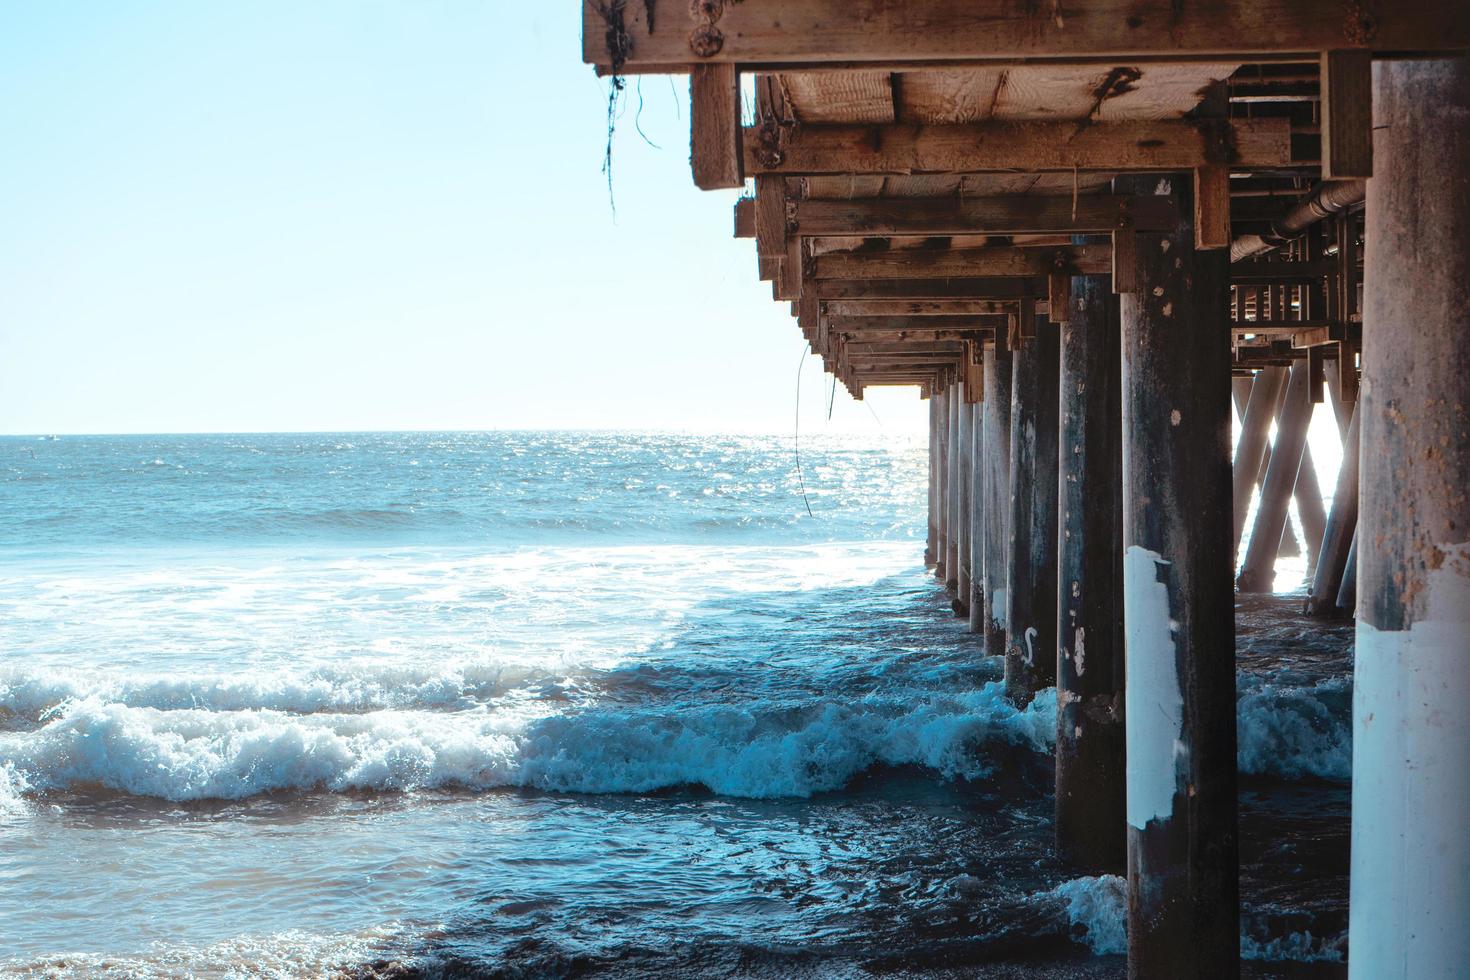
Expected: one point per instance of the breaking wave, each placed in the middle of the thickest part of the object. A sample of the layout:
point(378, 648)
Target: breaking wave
point(795, 751)
point(1295, 731)
point(33, 696)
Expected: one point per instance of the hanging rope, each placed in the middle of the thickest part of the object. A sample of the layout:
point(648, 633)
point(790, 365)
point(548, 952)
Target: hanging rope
point(796, 435)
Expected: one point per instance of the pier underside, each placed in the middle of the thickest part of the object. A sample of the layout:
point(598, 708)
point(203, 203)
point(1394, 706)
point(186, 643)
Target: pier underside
point(1092, 236)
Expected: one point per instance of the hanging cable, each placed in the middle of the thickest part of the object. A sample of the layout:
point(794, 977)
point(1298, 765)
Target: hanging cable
point(796, 434)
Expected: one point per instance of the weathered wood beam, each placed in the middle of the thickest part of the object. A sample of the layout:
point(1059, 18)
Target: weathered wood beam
point(905, 347)
point(1347, 114)
point(745, 218)
point(714, 126)
point(945, 263)
point(910, 307)
point(1049, 145)
point(770, 215)
point(632, 37)
point(910, 324)
point(998, 215)
point(986, 287)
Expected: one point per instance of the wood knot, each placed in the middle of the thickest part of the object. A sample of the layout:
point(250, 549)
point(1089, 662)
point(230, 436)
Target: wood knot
point(1360, 27)
point(706, 41)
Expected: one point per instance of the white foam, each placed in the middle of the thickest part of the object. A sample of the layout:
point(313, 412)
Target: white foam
point(32, 694)
point(1301, 947)
point(1097, 912)
point(1293, 731)
point(797, 751)
point(287, 954)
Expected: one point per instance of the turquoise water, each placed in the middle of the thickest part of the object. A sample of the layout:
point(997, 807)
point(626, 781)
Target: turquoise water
point(550, 703)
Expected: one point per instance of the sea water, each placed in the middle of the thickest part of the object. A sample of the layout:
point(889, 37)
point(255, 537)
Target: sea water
point(553, 703)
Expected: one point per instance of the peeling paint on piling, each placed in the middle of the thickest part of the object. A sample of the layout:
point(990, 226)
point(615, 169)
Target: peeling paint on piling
point(1155, 707)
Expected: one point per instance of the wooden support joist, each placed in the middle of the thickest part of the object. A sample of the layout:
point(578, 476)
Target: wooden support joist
point(908, 324)
point(905, 347)
point(906, 336)
point(770, 216)
point(714, 126)
point(745, 218)
point(1270, 273)
point(977, 287)
point(1212, 206)
point(945, 263)
point(631, 38)
point(997, 146)
point(998, 215)
point(1347, 114)
point(915, 308)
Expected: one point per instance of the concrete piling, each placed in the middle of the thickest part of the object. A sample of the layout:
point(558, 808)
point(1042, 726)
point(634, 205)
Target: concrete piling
point(1411, 733)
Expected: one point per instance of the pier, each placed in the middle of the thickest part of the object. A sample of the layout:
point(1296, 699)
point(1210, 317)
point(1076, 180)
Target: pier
point(1091, 234)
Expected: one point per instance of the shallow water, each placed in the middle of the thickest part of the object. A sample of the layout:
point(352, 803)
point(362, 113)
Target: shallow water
point(551, 703)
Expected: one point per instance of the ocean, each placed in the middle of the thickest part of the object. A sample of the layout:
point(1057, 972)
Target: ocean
point(557, 704)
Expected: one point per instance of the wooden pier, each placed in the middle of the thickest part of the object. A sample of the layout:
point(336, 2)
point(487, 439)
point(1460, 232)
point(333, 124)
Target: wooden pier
point(1080, 230)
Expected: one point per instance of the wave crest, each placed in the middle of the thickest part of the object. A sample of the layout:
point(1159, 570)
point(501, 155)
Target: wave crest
point(193, 754)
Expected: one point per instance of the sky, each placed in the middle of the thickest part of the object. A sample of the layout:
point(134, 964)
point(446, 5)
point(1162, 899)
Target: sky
point(285, 216)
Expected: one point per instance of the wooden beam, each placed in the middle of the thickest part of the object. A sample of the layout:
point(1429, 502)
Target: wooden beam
point(714, 126)
point(943, 263)
point(910, 307)
point(1050, 145)
point(771, 34)
point(999, 215)
point(1212, 207)
point(990, 287)
point(1125, 261)
point(1059, 296)
point(770, 215)
point(908, 324)
point(1347, 114)
point(745, 218)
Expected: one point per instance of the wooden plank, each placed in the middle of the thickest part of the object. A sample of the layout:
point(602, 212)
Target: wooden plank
point(714, 126)
point(1125, 261)
point(1068, 146)
point(911, 307)
point(1016, 214)
point(961, 96)
point(745, 218)
point(770, 216)
point(1211, 207)
point(1059, 296)
point(1347, 114)
point(986, 287)
point(930, 346)
point(839, 97)
point(766, 34)
point(907, 324)
point(984, 261)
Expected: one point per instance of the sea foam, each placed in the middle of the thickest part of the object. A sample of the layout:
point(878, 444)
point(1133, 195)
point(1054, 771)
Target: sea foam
point(752, 752)
point(1294, 731)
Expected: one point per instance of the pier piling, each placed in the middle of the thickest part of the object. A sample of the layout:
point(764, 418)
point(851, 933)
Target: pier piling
point(964, 456)
point(1183, 897)
point(1090, 784)
point(996, 487)
point(1411, 733)
point(1031, 589)
point(977, 518)
point(1258, 571)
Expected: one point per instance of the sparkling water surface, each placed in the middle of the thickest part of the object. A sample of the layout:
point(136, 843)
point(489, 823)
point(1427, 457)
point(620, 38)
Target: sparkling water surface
point(550, 703)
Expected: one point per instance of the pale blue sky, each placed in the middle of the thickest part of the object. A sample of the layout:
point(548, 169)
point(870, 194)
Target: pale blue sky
point(363, 215)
